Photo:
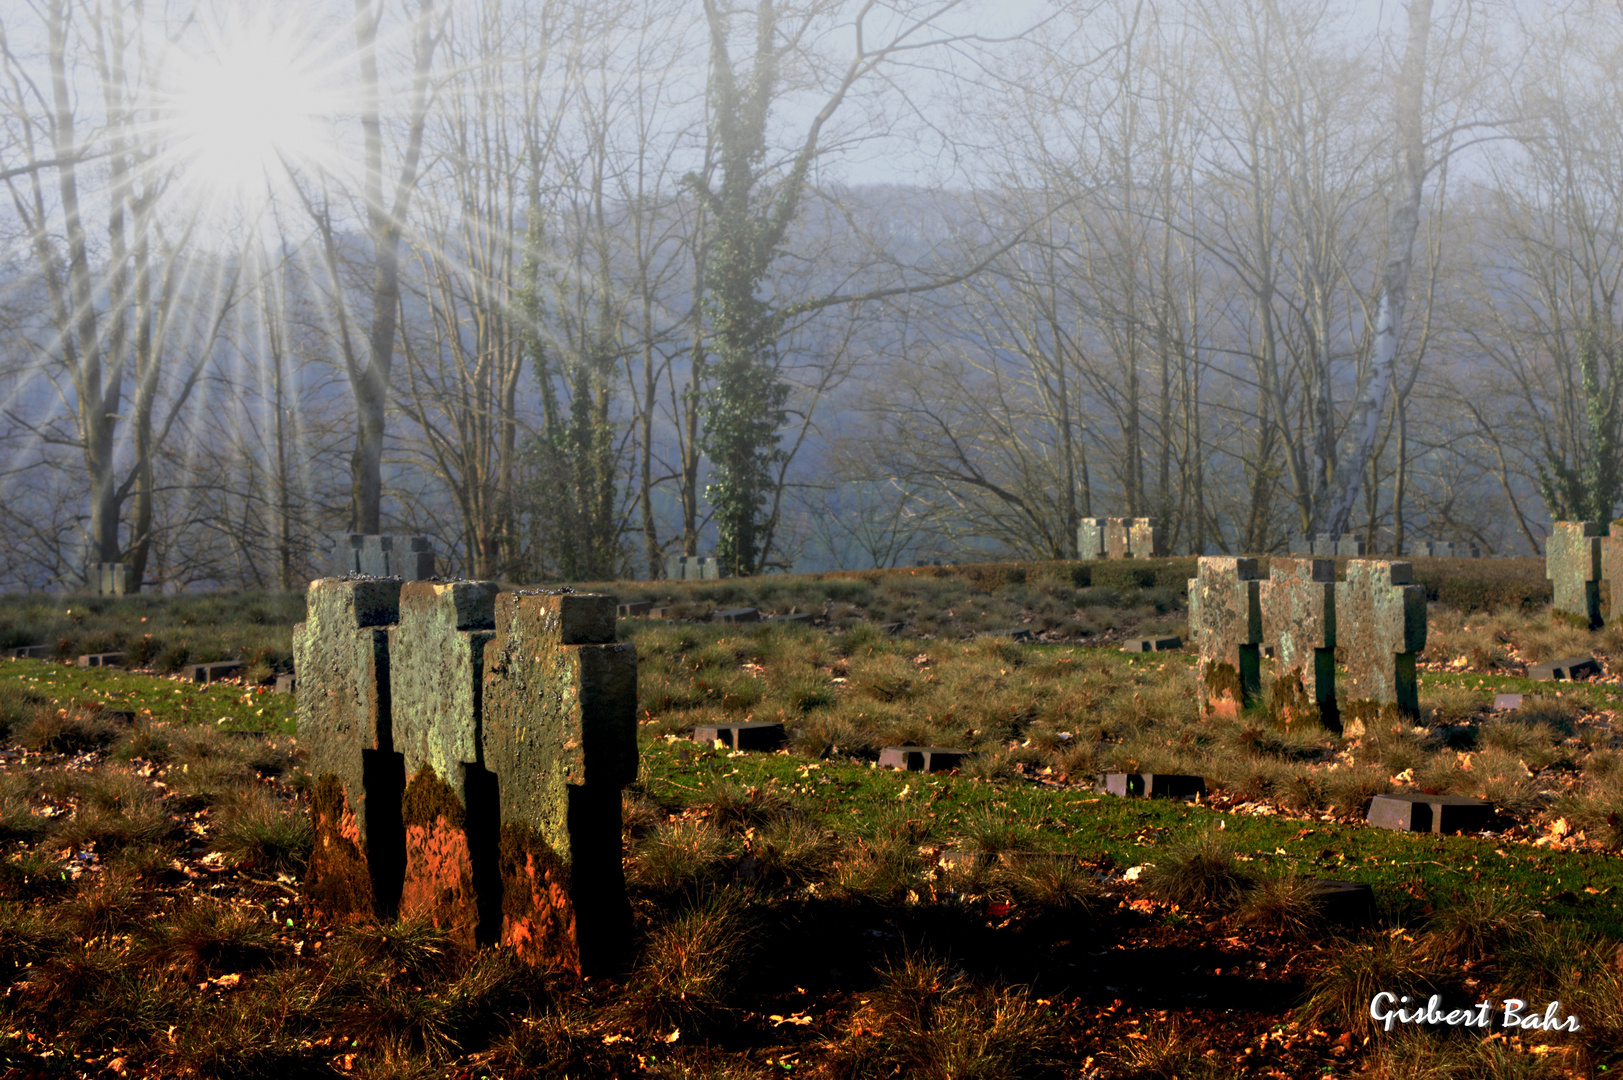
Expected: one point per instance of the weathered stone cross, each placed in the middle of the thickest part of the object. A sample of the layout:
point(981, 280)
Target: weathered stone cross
point(1225, 619)
point(1299, 621)
point(1572, 562)
point(1380, 626)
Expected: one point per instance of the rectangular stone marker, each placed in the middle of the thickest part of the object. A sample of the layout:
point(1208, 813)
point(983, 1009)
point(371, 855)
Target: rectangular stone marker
point(693, 568)
point(560, 735)
point(1142, 541)
point(1507, 702)
point(1152, 644)
point(1225, 621)
point(921, 758)
point(1567, 668)
point(213, 672)
point(1299, 620)
point(799, 618)
point(1153, 785)
point(1380, 627)
point(736, 615)
point(1118, 538)
point(341, 652)
point(114, 579)
point(662, 612)
point(1430, 813)
point(105, 659)
point(1572, 562)
point(1090, 539)
point(383, 555)
point(33, 652)
point(1347, 903)
point(436, 659)
point(1349, 547)
point(286, 684)
point(744, 735)
point(631, 610)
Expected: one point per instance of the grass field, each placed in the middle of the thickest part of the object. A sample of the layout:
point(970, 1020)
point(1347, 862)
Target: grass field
point(805, 913)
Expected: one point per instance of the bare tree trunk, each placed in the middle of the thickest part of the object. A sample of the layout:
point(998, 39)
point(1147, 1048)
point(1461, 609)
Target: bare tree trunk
point(1402, 222)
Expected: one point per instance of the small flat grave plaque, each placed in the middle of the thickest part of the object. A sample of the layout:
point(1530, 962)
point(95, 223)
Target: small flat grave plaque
point(1430, 813)
point(1348, 903)
point(33, 652)
point(104, 659)
point(637, 607)
point(1506, 702)
point(801, 618)
point(747, 735)
point(285, 684)
point(1016, 633)
point(1153, 785)
point(736, 615)
point(214, 672)
point(921, 758)
point(1567, 668)
point(666, 612)
point(1153, 644)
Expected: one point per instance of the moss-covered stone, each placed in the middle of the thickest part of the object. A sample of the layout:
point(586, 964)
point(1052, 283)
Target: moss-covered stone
point(1380, 627)
point(1225, 621)
point(1573, 563)
point(338, 885)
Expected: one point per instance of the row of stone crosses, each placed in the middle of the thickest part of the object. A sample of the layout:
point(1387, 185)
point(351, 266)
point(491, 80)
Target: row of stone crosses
point(469, 746)
point(1376, 617)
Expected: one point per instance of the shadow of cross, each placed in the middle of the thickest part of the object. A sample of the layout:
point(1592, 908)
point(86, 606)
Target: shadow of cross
point(1572, 562)
point(1299, 621)
point(1225, 620)
point(1380, 626)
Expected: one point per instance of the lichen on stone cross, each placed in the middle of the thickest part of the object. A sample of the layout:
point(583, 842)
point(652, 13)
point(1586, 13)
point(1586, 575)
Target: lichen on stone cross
point(341, 652)
point(1142, 540)
point(437, 657)
point(1380, 627)
point(1299, 621)
point(560, 733)
point(1090, 538)
point(1225, 621)
point(1564, 563)
point(1118, 538)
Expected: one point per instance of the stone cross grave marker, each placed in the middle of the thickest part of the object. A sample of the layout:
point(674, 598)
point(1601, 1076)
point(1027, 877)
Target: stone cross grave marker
point(560, 735)
point(1299, 621)
point(1225, 619)
point(341, 652)
point(1572, 562)
point(1118, 539)
point(1142, 541)
point(436, 656)
point(1611, 571)
point(1380, 626)
point(1090, 538)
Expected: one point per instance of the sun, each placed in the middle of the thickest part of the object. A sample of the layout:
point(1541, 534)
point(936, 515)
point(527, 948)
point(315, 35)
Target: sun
point(244, 110)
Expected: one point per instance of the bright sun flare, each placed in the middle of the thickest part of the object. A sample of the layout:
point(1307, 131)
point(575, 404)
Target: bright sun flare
point(243, 109)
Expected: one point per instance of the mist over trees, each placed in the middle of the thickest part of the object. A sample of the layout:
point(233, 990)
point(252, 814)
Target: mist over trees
point(572, 286)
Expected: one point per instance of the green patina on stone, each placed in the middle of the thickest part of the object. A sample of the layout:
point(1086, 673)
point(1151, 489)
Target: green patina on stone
point(437, 652)
point(1299, 619)
point(1380, 627)
point(341, 652)
point(1573, 563)
point(560, 732)
point(1225, 622)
